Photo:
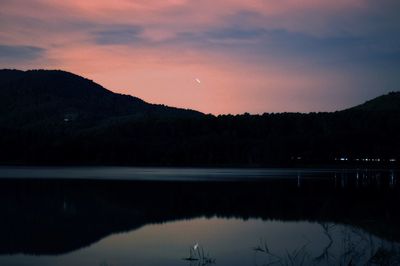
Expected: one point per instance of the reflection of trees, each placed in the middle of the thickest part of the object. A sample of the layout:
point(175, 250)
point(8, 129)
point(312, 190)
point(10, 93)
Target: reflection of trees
point(325, 255)
point(263, 248)
point(359, 248)
point(73, 214)
point(197, 257)
point(348, 246)
point(294, 257)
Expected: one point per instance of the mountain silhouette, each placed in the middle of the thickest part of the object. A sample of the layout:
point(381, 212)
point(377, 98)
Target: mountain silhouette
point(385, 103)
point(52, 96)
point(55, 117)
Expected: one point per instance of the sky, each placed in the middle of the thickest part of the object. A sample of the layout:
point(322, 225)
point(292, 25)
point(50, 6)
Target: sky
point(215, 56)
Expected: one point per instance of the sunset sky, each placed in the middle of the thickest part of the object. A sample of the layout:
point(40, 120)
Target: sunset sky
point(250, 56)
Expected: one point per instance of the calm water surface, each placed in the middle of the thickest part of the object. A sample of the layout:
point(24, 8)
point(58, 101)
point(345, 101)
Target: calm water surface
point(265, 217)
point(173, 174)
point(228, 241)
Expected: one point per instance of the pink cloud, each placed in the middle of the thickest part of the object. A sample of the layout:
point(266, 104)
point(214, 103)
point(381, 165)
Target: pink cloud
point(227, 85)
point(162, 68)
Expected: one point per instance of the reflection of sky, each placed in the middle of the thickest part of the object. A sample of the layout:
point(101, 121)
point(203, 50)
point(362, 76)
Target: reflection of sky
point(256, 56)
point(229, 241)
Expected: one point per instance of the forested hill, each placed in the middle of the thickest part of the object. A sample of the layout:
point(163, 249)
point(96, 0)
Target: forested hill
point(385, 103)
point(55, 117)
point(50, 96)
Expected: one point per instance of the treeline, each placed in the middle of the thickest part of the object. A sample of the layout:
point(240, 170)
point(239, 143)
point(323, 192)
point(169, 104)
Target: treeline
point(244, 140)
point(56, 117)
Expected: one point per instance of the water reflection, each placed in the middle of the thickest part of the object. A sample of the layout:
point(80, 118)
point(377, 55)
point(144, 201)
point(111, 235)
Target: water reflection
point(233, 242)
point(344, 245)
point(324, 220)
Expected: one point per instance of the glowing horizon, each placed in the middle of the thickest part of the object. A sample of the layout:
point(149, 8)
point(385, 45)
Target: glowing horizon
point(254, 56)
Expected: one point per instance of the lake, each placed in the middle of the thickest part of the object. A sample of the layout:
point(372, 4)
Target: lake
point(171, 216)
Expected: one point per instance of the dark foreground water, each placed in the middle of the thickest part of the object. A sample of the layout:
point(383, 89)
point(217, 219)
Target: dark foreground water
point(60, 216)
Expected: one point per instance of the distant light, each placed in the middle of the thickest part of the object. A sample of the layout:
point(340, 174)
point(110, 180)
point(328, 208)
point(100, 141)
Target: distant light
point(343, 159)
point(392, 160)
point(66, 120)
